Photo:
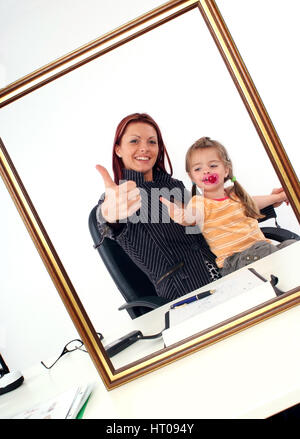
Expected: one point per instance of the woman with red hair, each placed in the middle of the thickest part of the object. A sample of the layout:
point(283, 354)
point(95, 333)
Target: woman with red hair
point(130, 212)
point(141, 118)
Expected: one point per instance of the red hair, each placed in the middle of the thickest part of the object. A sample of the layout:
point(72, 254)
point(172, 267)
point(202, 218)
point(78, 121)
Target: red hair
point(117, 163)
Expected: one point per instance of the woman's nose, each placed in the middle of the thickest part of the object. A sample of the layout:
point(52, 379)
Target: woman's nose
point(143, 146)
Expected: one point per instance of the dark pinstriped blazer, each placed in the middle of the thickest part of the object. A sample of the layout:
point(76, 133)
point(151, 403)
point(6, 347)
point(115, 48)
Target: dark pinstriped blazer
point(176, 262)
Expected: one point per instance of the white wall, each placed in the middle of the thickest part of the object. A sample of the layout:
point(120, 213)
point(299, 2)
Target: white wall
point(57, 134)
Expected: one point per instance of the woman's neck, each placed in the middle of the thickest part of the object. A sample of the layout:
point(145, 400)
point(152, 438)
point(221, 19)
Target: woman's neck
point(148, 176)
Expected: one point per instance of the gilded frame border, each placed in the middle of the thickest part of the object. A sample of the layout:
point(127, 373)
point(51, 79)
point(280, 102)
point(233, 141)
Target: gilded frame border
point(266, 131)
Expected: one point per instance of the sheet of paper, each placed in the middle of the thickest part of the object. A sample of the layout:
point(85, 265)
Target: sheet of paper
point(218, 313)
point(63, 406)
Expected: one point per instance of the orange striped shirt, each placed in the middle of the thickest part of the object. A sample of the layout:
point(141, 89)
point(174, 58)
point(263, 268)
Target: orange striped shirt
point(226, 228)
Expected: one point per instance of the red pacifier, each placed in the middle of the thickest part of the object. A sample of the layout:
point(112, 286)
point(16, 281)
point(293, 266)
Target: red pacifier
point(212, 178)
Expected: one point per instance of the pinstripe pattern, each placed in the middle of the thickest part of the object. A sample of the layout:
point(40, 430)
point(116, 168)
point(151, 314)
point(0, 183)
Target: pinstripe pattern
point(157, 247)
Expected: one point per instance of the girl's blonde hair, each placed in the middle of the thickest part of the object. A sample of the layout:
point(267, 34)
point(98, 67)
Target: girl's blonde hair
point(250, 206)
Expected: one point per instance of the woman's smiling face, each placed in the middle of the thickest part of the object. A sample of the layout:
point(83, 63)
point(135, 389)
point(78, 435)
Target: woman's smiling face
point(138, 148)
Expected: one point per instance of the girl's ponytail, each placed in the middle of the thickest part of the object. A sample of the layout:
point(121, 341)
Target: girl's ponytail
point(249, 204)
point(194, 189)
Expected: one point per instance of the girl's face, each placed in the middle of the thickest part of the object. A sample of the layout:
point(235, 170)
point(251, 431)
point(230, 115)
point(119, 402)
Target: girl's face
point(139, 148)
point(208, 171)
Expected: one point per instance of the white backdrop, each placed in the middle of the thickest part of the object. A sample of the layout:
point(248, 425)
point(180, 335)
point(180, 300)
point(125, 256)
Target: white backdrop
point(60, 132)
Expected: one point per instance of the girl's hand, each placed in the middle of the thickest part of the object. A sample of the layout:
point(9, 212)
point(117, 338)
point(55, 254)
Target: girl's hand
point(121, 201)
point(176, 212)
point(280, 197)
point(185, 216)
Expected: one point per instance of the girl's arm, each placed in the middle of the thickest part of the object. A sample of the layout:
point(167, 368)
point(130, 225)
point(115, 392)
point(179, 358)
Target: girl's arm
point(276, 198)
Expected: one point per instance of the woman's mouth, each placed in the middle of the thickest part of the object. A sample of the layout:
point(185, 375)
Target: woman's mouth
point(142, 159)
point(210, 179)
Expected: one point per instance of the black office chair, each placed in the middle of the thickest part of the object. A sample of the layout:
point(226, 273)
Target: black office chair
point(137, 290)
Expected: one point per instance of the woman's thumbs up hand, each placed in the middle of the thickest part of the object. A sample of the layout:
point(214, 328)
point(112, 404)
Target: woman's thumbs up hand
point(121, 201)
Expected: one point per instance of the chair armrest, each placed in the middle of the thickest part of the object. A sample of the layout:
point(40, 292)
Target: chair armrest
point(151, 302)
point(279, 234)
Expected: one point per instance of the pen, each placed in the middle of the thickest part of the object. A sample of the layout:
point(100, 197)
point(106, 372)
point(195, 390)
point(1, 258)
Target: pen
point(192, 299)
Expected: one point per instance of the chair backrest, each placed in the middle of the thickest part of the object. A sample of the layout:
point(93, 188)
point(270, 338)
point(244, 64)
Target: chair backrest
point(132, 283)
point(269, 213)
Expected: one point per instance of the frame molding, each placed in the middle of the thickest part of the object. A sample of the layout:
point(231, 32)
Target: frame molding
point(252, 101)
point(94, 49)
point(217, 27)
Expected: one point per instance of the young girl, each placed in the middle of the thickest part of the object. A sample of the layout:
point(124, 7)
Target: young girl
point(227, 217)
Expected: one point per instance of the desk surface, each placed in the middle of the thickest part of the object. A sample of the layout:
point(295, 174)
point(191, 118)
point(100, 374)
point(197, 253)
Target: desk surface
point(252, 374)
point(153, 322)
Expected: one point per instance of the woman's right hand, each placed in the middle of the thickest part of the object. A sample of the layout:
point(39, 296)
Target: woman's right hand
point(121, 201)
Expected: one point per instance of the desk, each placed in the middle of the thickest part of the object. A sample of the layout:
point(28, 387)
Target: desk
point(252, 374)
point(153, 323)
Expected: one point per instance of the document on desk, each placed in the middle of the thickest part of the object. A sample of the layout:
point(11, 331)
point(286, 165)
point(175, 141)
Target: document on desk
point(66, 405)
point(233, 295)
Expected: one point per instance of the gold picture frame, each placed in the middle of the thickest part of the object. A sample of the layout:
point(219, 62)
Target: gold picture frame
point(208, 8)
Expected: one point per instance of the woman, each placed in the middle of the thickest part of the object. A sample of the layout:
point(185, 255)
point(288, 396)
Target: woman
point(176, 260)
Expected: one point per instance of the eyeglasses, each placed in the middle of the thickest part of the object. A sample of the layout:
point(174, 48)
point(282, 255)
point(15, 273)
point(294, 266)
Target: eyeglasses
point(71, 346)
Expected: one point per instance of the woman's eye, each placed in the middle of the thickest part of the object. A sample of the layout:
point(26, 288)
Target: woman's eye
point(133, 141)
point(153, 142)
